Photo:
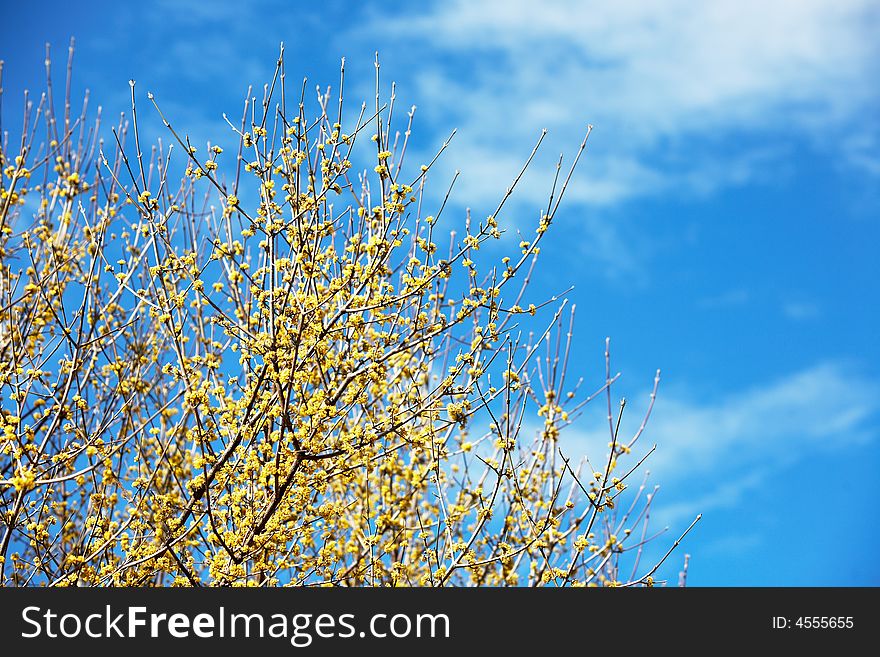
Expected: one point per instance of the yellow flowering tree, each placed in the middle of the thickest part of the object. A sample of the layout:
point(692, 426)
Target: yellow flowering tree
point(273, 370)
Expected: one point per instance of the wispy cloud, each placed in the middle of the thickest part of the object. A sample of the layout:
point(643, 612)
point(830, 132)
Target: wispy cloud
point(726, 447)
point(800, 310)
point(685, 96)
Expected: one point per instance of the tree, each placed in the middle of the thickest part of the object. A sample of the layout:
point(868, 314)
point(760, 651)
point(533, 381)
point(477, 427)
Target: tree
point(272, 373)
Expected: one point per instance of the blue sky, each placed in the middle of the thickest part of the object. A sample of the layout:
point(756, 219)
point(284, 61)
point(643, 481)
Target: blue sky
point(723, 226)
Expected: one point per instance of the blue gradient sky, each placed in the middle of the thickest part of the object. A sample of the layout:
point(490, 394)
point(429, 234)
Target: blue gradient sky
point(723, 225)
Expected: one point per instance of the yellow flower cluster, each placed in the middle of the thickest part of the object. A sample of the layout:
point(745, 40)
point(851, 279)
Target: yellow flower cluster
point(277, 388)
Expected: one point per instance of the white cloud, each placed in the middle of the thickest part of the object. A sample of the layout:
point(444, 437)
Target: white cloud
point(800, 310)
point(680, 92)
point(863, 150)
point(726, 494)
point(721, 449)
